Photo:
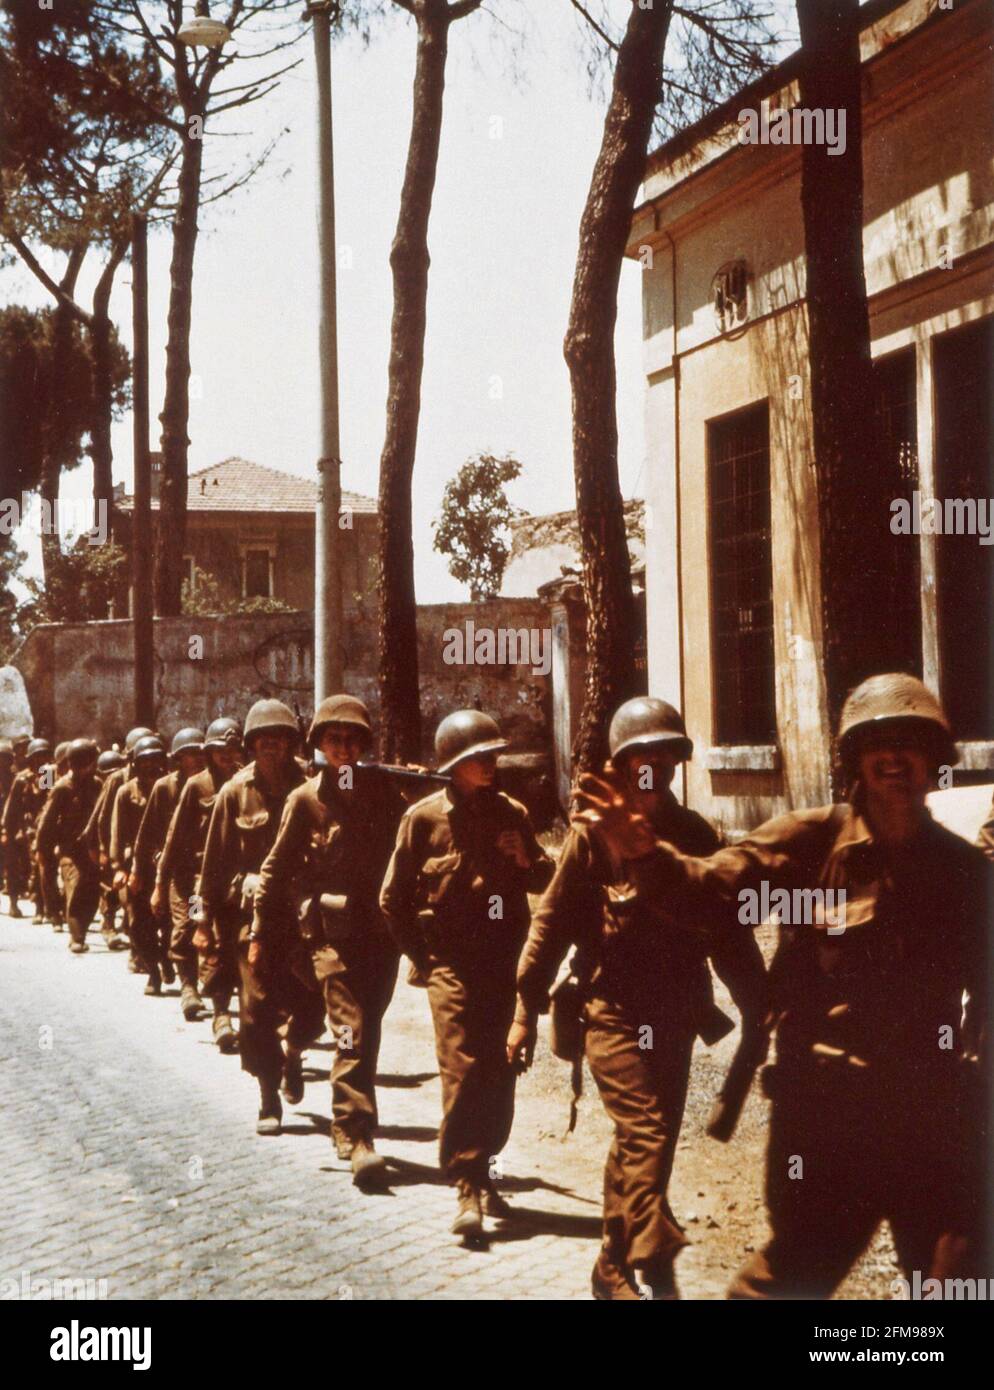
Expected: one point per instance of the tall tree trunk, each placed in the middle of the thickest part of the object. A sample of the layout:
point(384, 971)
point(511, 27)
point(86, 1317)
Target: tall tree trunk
point(101, 345)
point(63, 328)
point(589, 352)
point(409, 260)
point(171, 531)
point(852, 515)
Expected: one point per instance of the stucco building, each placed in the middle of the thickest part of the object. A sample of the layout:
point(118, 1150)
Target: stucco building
point(732, 565)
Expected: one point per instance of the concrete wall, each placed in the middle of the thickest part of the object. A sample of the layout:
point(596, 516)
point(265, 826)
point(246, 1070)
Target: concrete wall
point(929, 184)
point(79, 677)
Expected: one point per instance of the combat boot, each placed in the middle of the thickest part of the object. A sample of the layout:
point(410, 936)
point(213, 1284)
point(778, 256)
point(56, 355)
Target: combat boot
point(493, 1204)
point(293, 1078)
point(469, 1214)
point(224, 1034)
point(369, 1169)
point(15, 909)
point(154, 986)
point(343, 1145)
point(270, 1112)
point(656, 1280)
point(38, 920)
point(191, 1003)
point(168, 971)
point(608, 1283)
point(78, 948)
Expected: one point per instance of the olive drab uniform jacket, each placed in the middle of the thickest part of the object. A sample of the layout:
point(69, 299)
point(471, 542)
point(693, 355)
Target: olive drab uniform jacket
point(97, 833)
point(335, 842)
point(183, 849)
point(450, 894)
point(242, 829)
point(64, 818)
point(23, 807)
point(876, 995)
point(129, 809)
point(162, 802)
point(633, 951)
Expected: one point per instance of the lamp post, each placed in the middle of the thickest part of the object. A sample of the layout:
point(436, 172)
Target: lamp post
point(202, 31)
point(141, 538)
point(327, 532)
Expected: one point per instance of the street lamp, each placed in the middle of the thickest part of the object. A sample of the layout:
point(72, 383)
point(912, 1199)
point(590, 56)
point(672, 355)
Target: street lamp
point(202, 31)
point(327, 531)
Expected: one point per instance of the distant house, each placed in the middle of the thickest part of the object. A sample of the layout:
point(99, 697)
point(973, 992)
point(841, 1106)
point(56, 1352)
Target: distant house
point(252, 529)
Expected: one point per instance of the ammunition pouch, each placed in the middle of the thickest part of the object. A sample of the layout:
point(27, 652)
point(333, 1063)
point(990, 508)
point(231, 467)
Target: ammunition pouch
point(326, 919)
point(566, 1003)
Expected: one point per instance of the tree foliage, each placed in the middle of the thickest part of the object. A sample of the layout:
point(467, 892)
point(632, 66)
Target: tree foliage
point(42, 407)
point(472, 525)
point(83, 590)
point(203, 598)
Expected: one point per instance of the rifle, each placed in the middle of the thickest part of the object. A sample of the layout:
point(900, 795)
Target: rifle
point(408, 774)
point(750, 1055)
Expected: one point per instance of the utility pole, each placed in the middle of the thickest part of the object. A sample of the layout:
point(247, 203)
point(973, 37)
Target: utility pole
point(141, 537)
point(327, 531)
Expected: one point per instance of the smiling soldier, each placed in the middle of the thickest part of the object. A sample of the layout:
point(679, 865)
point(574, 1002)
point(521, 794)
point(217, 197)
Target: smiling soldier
point(878, 1097)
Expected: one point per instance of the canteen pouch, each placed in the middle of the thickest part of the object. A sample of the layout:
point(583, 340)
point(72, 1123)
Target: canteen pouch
point(566, 1018)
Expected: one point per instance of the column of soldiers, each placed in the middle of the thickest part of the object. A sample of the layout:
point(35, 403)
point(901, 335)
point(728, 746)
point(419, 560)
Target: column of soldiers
point(298, 883)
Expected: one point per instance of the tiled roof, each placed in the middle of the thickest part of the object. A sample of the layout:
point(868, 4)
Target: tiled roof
point(238, 485)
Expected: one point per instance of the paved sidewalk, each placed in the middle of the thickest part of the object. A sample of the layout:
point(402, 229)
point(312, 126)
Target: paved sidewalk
point(129, 1154)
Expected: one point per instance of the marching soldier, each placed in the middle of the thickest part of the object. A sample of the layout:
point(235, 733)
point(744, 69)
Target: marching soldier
point(20, 746)
point(98, 828)
point(334, 843)
point(186, 752)
point(48, 862)
point(643, 984)
point(7, 855)
point(178, 870)
point(455, 899)
point(242, 829)
point(20, 823)
point(109, 761)
point(878, 1098)
point(61, 830)
point(148, 759)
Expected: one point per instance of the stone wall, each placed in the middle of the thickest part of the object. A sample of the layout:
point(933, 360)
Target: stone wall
point(79, 677)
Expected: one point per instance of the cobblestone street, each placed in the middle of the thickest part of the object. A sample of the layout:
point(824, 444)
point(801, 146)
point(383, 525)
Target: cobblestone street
point(129, 1155)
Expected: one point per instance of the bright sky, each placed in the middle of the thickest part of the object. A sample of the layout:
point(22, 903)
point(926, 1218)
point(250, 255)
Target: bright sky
point(513, 174)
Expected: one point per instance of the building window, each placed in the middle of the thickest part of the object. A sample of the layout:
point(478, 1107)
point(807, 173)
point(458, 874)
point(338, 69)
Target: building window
point(963, 368)
point(741, 562)
point(190, 573)
point(898, 565)
point(257, 572)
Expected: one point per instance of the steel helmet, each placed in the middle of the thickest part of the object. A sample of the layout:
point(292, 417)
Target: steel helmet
point(644, 721)
point(111, 760)
point(151, 746)
point(222, 731)
point(892, 698)
point(466, 734)
point(6, 748)
point(21, 742)
point(82, 753)
point(134, 735)
point(270, 717)
point(39, 745)
point(61, 753)
point(188, 740)
point(339, 709)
